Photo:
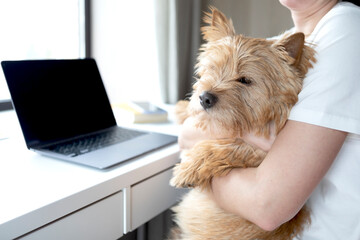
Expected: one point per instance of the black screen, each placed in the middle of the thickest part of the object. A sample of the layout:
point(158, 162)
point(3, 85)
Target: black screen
point(58, 99)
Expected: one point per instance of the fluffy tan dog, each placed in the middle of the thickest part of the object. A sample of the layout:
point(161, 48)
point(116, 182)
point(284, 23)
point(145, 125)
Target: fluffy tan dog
point(244, 84)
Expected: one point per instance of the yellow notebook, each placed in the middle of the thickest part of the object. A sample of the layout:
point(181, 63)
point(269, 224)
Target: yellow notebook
point(140, 112)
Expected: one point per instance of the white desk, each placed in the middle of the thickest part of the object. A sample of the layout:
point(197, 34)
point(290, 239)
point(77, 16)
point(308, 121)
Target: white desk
point(44, 198)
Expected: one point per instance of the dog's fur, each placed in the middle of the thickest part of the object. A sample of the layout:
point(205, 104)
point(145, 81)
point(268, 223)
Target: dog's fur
point(244, 85)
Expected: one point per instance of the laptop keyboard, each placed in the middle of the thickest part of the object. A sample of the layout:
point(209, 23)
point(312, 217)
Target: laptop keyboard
point(93, 142)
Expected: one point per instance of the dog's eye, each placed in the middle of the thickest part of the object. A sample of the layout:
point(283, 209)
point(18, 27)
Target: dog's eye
point(244, 80)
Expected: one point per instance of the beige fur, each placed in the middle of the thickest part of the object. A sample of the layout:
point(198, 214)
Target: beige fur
point(245, 84)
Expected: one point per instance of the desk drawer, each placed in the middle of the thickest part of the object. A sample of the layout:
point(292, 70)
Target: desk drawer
point(101, 220)
point(151, 197)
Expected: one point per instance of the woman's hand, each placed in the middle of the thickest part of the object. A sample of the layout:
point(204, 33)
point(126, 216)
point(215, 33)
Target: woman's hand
point(190, 134)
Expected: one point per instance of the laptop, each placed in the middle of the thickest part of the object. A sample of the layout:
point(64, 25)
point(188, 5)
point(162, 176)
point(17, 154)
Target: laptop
point(64, 112)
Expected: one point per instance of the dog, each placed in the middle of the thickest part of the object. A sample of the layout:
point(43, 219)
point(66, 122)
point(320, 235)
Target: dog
point(243, 85)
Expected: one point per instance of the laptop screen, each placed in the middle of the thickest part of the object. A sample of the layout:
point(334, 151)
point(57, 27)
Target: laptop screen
point(57, 99)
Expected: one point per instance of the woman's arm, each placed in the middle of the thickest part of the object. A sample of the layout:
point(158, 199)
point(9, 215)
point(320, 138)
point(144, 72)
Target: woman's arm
point(275, 191)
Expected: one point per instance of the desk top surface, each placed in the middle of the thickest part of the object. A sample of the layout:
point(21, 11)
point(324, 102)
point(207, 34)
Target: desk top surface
point(33, 185)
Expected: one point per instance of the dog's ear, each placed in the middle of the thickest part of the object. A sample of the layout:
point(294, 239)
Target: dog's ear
point(218, 26)
point(293, 45)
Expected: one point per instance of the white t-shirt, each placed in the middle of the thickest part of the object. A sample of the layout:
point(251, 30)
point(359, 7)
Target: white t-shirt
point(331, 98)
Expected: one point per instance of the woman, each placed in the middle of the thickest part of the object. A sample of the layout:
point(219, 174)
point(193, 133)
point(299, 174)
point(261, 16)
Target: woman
point(316, 157)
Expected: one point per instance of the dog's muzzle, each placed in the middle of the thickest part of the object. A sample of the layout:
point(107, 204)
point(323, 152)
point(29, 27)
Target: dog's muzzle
point(207, 100)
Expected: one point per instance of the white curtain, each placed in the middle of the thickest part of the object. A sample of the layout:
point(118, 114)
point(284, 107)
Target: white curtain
point(178, 38)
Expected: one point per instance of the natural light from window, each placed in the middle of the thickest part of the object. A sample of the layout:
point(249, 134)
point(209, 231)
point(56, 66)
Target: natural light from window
point(38, 29)
point(123, 40)
point(124, 46)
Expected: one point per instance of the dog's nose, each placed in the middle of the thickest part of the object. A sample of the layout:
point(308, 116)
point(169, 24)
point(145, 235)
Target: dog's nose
point(207, 100)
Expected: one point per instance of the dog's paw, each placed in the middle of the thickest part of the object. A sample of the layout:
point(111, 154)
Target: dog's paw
point(181, 112)
point(184, 174)
point(179, 179)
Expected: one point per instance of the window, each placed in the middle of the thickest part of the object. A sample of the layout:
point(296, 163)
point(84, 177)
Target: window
point(40, 29)
point(123, 42)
